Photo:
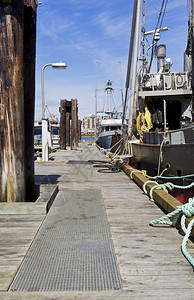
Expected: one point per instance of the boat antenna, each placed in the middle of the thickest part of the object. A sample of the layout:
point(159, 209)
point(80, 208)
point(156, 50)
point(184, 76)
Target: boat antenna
point(188, 50)
point(144, 66)
point(160, 14)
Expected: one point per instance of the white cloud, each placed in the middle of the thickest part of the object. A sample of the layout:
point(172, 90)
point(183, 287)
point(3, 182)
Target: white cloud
point(112, 26)
point(53, 27)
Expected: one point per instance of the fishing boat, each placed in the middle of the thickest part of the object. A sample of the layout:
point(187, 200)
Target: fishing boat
point(54, 130)
point(161, 121)
point(109, 134)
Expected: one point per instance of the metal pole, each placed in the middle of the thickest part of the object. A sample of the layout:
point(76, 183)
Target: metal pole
point(130, 57)
point(96, 99)
point(44, 133)
point(43, 102)
point(164, 102)
point(42, 77)
point(44, 127)
point(121, 85)
point(134, 69)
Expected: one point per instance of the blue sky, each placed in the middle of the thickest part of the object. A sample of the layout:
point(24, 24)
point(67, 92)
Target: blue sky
point(81, 32)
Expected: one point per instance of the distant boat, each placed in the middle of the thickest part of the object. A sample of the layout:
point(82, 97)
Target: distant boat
point(55, 134)
point(109, 134)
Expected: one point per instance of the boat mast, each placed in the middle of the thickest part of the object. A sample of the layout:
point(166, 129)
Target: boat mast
point(130, 57)
point(133, 95)
point(192, 41)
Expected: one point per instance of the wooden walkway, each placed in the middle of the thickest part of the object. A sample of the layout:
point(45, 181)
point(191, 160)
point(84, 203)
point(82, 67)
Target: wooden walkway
point(149, 259)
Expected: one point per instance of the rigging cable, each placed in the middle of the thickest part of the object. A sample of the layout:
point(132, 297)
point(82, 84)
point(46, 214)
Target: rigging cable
point(152, 54)
point(163, 13)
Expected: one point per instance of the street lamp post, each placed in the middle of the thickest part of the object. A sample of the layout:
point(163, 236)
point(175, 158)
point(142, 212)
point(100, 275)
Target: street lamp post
point(45, 133)
point(55, 66)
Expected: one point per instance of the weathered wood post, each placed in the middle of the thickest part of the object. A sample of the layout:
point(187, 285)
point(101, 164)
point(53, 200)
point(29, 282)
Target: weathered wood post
point(62, 111)
point(73, 124)
point(12, 185)
point(30, 12)
point(68, 129)
point(79, 129)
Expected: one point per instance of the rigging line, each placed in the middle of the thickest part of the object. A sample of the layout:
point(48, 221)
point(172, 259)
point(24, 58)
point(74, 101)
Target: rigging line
point(163, 14)
point(152, 54)
point(154, 6)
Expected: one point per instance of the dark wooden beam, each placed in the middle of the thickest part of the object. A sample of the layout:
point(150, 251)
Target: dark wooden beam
point(30, 12)
point(62, 111)
point(12, 183)
point(73, 124)
point(79, 130)
point(68, 129)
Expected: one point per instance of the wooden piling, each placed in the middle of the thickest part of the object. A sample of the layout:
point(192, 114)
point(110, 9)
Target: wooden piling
point(62, 111)
point(73, 124)
point(68, 129)
point(30, 12)
point(12, 185)
point(79, 130)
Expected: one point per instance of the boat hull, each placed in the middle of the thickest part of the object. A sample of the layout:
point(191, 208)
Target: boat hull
point(178, 159)
point(109, 141)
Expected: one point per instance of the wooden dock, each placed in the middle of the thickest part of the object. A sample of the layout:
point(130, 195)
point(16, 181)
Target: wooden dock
point(149, 259)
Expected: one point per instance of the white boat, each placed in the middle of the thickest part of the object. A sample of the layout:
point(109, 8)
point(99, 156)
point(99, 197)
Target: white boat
point(54, 128)
point(109, 134)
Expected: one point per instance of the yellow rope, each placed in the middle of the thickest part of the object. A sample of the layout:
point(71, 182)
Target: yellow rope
point(143, 172)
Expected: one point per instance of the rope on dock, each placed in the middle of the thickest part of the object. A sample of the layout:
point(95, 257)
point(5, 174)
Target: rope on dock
point(105, 166)
point(168, 186)
point(143, 172)
point(175, 177)
point(187, 211)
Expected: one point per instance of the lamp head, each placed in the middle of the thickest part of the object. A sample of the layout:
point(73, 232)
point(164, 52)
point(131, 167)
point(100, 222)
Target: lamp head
point(59, 65)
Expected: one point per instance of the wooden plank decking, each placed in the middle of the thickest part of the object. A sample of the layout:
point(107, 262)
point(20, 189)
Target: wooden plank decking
point(150, 260)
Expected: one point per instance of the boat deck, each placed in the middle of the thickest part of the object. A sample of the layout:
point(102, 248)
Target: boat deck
point(95, 240)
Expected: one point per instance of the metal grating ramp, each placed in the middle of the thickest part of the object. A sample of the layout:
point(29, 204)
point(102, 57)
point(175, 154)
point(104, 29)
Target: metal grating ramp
point(73, 250)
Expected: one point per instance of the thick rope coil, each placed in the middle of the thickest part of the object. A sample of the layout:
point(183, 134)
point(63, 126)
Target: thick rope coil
point(187, 211)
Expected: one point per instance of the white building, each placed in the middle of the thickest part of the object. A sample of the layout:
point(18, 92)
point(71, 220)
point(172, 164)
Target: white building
point(88, 124)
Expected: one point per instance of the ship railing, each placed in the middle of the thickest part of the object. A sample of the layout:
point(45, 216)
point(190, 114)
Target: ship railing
point(166, 81)
point(172, 137)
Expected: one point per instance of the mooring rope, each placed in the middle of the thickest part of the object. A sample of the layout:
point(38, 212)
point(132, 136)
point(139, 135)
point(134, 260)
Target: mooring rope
point(187, 211)
point(143, 172)
point(168, 186)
